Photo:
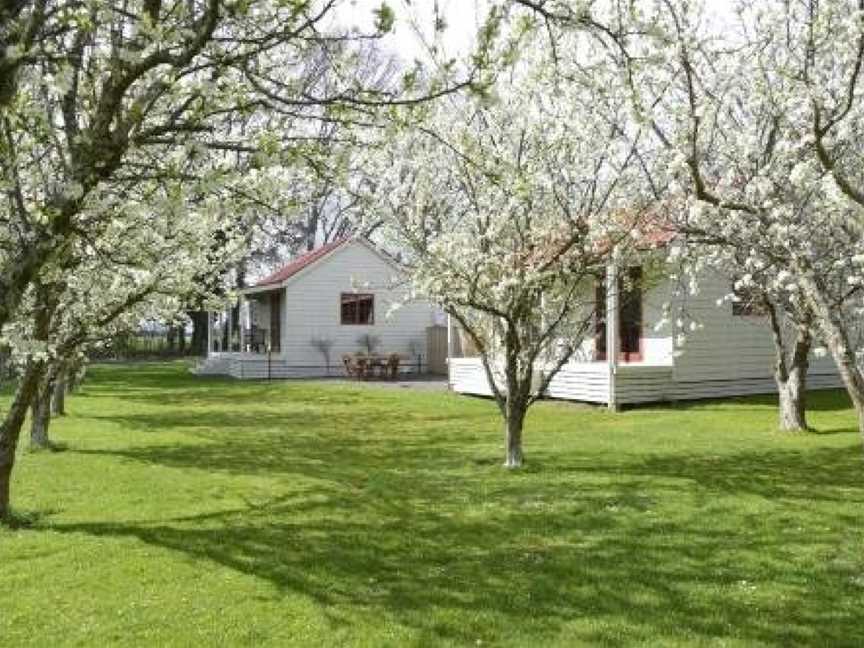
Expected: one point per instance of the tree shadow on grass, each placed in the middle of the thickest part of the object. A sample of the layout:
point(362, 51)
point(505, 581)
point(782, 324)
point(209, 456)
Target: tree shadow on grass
point(599, 547)
point(815, 474)
point(822, 400)
point(278, 442)
point(608, 573)
point(613, 548)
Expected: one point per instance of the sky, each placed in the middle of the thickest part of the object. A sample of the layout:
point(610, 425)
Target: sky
point(462, 18)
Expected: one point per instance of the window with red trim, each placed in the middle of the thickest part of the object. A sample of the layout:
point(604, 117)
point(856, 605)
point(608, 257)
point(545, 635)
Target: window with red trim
point(358, 308)
point(629, 317)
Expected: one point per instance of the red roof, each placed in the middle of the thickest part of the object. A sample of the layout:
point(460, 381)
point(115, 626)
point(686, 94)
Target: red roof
point(300, 262)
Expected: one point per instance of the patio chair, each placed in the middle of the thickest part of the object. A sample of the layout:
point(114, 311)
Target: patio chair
point(363, 367)
point(255, 340)
point(393, 362)
point(350, 367)
point(377, 364)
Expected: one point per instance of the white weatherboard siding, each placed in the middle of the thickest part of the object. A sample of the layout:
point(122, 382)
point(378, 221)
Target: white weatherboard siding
point(577, 381)
point(638, 382)
point(727, 356)
point(467, 376)
point(641, 383)
point(312, 308)
point(581, 381)
point(731, 355)
point(584, 381)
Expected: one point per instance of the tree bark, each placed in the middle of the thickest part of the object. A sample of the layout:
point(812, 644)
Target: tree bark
point(513, 424)
point(516, 400)
point(58, 399)
point(790, 374)
point(199, 332)
point(10, 430)
point(4, 371)
point(851, 375)
point(40, 415)
point(837, 339)
point(75, 372)
point(793, 402)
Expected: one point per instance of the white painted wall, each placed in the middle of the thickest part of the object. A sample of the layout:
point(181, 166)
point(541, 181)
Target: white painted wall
point(728, 356)
point(657, 345)
point(727, 347)
point(311, 308)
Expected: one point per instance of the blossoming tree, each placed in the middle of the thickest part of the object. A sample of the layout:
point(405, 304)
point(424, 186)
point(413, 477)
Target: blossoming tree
point(105, 107)
point(763, 122)
point(144, 265)
point(758, 108)
point(508, 206)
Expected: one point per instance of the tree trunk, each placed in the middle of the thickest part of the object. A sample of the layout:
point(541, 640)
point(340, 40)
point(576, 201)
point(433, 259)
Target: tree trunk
point(837, 339)
point(199, 332)
point(513, 424)
point(10, 430)
point(793, 403)
point(58, 399)
point(75, 372)
point(40, 415)
point(791, 376)
point(852, 380)
point(181, 339)
point(3, 366)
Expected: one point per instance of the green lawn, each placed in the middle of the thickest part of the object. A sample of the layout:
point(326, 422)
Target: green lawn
point(191, 511)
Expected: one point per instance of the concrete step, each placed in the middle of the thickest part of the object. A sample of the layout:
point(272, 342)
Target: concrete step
point(213, 367)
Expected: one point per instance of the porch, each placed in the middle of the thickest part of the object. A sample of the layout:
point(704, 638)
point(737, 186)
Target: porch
point(252, 325)
point(589, 382)
point(621, 364)
point(245, 365)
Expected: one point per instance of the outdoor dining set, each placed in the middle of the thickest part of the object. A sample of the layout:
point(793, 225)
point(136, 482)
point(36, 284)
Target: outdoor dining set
point(364, 366)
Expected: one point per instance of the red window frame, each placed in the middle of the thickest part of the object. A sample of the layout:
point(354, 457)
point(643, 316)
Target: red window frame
point(630, 316)
point(357, 309)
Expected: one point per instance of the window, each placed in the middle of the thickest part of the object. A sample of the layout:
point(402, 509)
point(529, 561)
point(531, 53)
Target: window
point(358, 308)
point(629, 317)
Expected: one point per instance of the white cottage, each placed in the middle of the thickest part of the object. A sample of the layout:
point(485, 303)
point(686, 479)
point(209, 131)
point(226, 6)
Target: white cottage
point(330, 298)
point(731, 354)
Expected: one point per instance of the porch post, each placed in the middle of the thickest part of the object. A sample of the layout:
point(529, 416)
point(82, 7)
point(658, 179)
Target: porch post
point(230, 320)
point(612, 326)
point(449, 348)
point(243, 314)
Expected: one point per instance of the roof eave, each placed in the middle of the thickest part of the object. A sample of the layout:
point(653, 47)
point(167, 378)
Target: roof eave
point(252, 290)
